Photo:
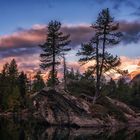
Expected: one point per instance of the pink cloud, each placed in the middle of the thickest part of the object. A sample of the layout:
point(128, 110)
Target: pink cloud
point(30, 64)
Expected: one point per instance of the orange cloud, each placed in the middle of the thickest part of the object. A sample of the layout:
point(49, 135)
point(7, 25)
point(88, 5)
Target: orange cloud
point(24, 37)
point(22, 46)
point(131, 64)
point(30, 64)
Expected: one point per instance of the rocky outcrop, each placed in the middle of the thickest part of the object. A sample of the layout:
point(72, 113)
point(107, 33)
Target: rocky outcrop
point(89, 133)
point(57, 107)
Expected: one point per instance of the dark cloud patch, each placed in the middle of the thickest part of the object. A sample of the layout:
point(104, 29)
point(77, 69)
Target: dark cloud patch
point(22, 42)
point(131, 31)
point(23, 38)
point(32, 37)
point(26, 41)
point(13, 52)
point(79, 34)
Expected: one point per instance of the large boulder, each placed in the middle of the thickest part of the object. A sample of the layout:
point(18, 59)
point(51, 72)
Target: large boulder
point(57, 107)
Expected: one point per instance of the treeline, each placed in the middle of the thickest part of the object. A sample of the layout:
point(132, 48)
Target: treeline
point(15, 87)
point(120, 89)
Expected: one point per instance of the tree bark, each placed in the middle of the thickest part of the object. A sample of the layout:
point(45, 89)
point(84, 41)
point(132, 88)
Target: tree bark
point(103, 53)
point(97, 92)
point(65, 79)
point(99, 69)
point(53, 65)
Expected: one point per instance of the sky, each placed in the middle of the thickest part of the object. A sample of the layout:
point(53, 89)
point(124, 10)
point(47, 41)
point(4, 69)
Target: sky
point(23, 27)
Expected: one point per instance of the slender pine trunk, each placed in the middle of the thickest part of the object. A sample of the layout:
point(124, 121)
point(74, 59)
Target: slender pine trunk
point(97, 92)
point(65, 79)
point(103, 54)
point(53, 67)
point(99, 69)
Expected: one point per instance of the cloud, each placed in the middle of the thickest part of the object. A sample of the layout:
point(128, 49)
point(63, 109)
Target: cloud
point(25, 63)
point(28, 38)
point(25, 41)
point(30, 64)
point(23, 38)
point(79, 34)
point(131, 31)
point(138, 63)
point(131, 64)
point(127, 63)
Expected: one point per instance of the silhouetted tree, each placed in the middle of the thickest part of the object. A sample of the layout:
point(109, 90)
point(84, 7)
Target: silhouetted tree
point(122, 89)
point(13, 73)
point(22, 84)
point(88, 74)
point(9, 85)
point(106, 34)
point(51, 79)
point(70, 74)
point(38, 82)
point(78, 75)
point(111, 88)
point(4, 86)
point(54, 48)
point(64, 72)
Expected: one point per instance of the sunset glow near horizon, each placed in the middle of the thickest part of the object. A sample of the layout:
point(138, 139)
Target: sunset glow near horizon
point(23, 27)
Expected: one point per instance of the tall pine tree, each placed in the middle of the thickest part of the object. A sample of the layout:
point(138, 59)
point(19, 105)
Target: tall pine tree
point(22, 84)
point(106, 35)
point(54, 48)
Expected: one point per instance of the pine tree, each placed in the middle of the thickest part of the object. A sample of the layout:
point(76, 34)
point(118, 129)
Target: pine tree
point(38, 82)
point(4, 86)
point(22, 82)
point(13, 73)
point(77, 75)
point(88, 74)
point(64, 72)
point(5, 70)
point(13, 98)
point(70, 74)
point(53, 48)
point(51, 80)
point(106, 34)
point(13, 70)
point(22, 85)
point(123, 89)
point(9, 85)
point(112, 87)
